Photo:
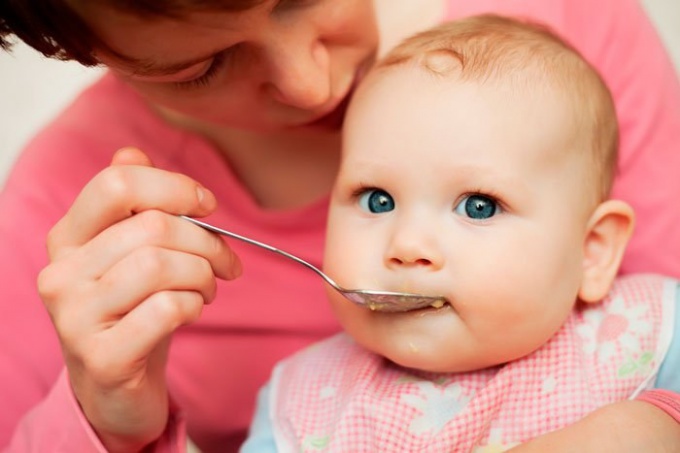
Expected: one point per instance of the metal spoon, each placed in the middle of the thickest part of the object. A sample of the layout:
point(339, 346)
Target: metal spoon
point(387, 301)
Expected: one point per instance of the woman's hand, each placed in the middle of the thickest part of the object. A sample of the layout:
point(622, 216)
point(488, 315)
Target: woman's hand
point(125, 272)
point(627, 426)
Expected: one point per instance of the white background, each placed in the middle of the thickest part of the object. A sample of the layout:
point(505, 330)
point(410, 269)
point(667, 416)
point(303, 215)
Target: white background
point(33, 89)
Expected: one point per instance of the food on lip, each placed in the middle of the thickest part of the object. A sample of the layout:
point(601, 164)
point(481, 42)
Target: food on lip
point(377, 306)
point(439, 303)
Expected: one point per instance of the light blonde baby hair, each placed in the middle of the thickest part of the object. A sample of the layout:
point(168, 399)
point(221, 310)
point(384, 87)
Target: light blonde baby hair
point(490, 48)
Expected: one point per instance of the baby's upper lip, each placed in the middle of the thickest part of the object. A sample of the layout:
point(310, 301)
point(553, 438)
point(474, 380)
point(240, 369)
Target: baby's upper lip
point(419, 285)
point(414, 288)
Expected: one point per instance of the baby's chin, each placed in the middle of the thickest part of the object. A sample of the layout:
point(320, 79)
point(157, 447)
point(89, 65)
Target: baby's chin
point(437, 351)
point(432, 361)
point(448, 355)
point(432, 358)
point(425, 353)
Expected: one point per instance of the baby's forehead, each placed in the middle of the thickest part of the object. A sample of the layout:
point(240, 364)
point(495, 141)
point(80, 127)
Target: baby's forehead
point(529, 64)
point(442, 73)
point(531, 112)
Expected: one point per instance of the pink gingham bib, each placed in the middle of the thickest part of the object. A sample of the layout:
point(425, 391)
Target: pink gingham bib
point(337, 397)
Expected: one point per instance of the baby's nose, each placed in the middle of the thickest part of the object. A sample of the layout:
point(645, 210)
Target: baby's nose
point(414, 248)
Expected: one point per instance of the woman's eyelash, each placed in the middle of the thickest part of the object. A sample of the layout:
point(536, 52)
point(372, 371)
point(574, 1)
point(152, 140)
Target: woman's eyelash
point(284, 5)
point(205, 79)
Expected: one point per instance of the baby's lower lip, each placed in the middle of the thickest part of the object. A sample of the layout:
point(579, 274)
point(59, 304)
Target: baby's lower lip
point(431, 310)
point(425, 311)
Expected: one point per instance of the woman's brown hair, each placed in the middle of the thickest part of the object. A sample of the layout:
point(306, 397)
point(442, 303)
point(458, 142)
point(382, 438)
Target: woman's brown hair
point(54, 28)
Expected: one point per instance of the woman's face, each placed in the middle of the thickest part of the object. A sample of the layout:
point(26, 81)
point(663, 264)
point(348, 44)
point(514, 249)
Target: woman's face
point(282, 65)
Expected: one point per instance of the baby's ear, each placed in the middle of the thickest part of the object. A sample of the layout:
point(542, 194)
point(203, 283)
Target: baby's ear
point(609, 229)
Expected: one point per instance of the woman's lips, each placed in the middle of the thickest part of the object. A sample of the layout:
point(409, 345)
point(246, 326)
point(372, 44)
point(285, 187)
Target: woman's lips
point(334, 119)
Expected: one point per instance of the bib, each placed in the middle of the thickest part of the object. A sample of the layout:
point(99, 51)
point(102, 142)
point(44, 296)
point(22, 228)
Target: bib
point(337, 397)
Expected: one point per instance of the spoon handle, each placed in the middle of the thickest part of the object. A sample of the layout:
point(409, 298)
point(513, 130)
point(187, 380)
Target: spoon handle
point(217, 230)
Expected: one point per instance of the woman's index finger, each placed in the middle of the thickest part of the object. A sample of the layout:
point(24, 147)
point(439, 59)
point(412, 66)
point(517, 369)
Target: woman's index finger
point(120, 191)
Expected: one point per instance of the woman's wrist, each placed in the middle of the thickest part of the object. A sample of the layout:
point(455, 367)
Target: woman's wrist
point(665, 400)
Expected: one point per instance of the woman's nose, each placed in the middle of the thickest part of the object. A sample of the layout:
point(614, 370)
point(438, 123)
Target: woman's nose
point(299, 74)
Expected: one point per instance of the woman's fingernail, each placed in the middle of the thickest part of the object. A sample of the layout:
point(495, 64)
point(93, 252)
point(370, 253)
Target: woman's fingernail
point(236, 267)
point(200, 193)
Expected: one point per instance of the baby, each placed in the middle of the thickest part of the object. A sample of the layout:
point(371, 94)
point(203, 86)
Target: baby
point(477, 163)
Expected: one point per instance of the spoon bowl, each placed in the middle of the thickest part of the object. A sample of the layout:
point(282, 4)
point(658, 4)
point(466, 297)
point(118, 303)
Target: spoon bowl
point(384, 301)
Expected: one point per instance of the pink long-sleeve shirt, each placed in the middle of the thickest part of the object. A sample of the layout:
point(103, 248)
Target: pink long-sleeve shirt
point(217, 364)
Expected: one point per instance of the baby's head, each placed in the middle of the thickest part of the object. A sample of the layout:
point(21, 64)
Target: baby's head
point(521, 61)
point(477, 163)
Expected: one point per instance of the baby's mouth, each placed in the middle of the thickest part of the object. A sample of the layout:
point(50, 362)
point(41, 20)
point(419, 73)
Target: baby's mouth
point(440, 305)
point(403, 295)
point(404, 302)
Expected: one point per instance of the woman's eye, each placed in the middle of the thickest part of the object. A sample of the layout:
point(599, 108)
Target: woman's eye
point(376, 201)
point(478, 207)
point(204, 79)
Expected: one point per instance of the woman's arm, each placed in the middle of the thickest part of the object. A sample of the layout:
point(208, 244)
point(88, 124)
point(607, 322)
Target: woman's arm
point(92, 407)
point(38, 413)
point(628, 426)
point(651, 423)
point(57, 424)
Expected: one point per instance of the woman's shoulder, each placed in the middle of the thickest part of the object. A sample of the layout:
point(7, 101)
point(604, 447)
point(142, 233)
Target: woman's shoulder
point(587, 25)
point(81, 140)
point(106, 114)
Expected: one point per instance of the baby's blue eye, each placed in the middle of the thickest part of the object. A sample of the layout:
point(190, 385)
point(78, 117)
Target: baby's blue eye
point(478, 207)
point(376, 201)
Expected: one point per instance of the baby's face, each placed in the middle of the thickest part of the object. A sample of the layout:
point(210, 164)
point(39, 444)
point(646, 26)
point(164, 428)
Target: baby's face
point(463, 190)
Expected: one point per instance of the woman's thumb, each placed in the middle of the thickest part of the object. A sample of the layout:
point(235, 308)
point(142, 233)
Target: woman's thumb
point(131, 156)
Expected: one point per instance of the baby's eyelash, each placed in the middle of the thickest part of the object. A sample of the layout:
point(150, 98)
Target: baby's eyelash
point(362, 189)
point(490, 194)
point(485, 193)
point(205, 79)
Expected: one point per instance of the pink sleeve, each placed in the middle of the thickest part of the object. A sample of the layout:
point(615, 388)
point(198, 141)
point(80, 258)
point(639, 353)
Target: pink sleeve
point(57, 425)
point(617, 37)
point(665, 400)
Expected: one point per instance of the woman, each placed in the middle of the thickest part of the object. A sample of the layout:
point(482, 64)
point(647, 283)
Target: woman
point(238, 102)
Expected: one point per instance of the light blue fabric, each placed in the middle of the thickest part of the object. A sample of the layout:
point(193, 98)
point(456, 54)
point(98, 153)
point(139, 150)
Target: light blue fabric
point(261, 438)
point(669, 373)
